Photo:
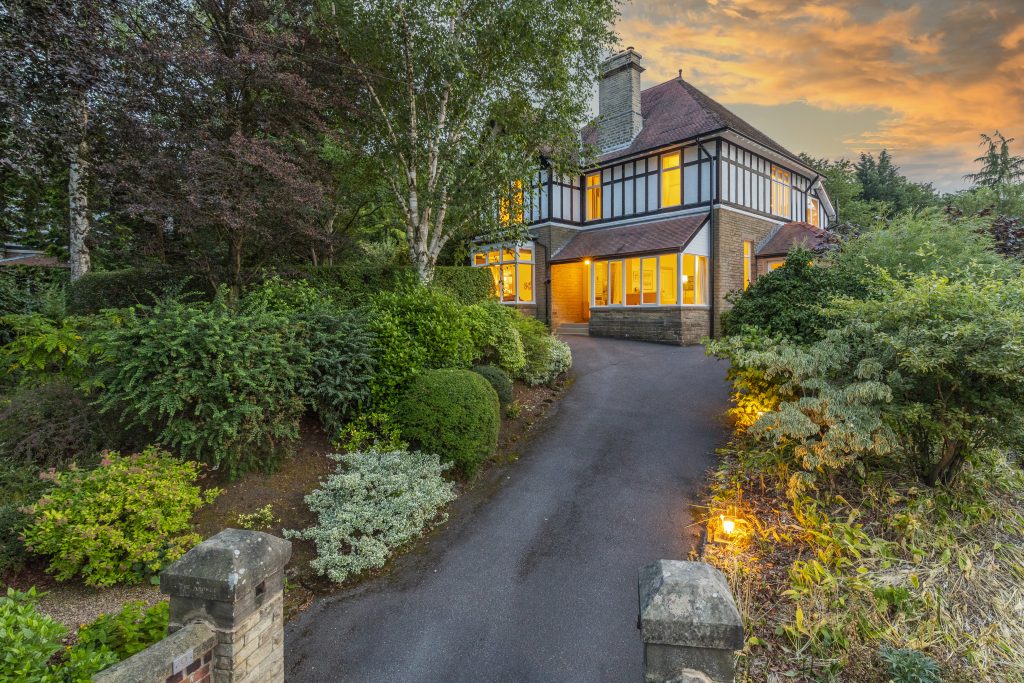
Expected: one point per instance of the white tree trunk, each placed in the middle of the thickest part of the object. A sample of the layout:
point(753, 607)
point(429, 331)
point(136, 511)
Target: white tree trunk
point(78, 205)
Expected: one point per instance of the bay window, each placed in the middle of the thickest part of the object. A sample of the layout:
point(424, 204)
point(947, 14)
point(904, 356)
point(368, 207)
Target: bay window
point(511, 269)
point(659, 280)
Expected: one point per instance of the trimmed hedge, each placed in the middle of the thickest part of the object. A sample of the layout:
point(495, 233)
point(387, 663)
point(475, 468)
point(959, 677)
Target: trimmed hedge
point(452, 413)
point(123, 288)
point(498, 379)
point(354, 284)
point(468, 285)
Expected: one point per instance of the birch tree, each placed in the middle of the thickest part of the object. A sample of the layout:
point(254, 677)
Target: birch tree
point(460, 98)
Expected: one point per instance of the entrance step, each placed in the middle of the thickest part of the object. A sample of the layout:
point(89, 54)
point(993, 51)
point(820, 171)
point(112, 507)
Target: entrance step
point(581, 329)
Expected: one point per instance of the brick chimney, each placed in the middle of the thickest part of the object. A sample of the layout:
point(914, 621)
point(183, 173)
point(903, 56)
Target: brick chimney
point(619, 119)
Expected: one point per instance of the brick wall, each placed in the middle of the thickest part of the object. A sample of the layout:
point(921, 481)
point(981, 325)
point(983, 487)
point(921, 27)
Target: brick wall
point(731, 231)
point(185, 656)
point(254, 651)
point(549, 238)
point(569, 287)
point(664, 325)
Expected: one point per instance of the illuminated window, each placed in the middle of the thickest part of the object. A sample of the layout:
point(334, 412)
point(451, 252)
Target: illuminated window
point(671, 180)
point(748, 257)
point(593, 196)
point(511, 270)
point(776, 264)
point(601, 283)
point(632, 282)
point(695, 270)
point(668, 266)
point(812, 211)
point(649, 276)
point(615, 282)
point(510, 209)
point(780, 191)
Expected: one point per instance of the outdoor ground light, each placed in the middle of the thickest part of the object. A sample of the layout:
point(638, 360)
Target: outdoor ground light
point(728, 525)
point(726, 528)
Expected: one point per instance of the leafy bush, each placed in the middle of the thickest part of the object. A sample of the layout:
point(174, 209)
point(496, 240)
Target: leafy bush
point(546, 356)
point(910, 666)
point(416, 329)
point(496, 335)
point(217, 384)
point(453, 413)
point(127, 632)
point(42, 348)
point(138, 286)
point(30, 643)
point(376, 431)
point(20, 486)
point(354, 284)
point(120, 522)
point(52, 425)
point(258, 520)
point(374, 503)
point(498, 379)
point(467, 285)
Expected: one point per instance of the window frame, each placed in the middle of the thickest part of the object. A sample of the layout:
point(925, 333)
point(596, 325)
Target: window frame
point(498, 256)
point(663, 175)
point(813, 201)
point(593, 197)
point(782, 190)
point(748, 264)
point(607, 264)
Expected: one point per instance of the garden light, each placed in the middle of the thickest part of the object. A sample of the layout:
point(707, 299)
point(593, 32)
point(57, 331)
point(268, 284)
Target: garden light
point(728, 525)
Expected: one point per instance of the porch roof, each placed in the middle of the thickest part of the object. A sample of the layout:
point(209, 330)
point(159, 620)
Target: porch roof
point(665, 235)
point(792, 235)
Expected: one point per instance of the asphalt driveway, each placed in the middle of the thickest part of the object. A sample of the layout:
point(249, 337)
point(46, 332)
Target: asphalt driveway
point(534, 577)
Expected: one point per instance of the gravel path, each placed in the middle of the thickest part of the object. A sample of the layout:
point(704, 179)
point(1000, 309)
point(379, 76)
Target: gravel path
point(75, 604)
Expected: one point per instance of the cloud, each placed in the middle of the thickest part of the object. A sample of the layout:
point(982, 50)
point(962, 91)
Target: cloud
point(943, 71)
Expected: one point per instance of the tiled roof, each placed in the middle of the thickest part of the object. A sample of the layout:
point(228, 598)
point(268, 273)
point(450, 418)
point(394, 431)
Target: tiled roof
point(792, 235)
point(675, 111)
point(668, 234)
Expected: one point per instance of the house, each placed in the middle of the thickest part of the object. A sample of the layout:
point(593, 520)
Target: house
point(685, 203)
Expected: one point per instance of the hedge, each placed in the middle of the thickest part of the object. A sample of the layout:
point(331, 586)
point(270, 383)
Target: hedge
point(468, 285)
point(123, 288)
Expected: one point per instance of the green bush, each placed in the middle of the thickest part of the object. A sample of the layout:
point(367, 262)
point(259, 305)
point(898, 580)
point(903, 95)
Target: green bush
point(416, 329)
point(496, 335)
point(138, 286)
point(468, 285)
point(42, 348)
point(31, 646)
point(453, 413)
point(20, 486)
point(127, 632)
point(498, 379)
point(119, 523)
point(52, 425)
point(356, 283)
point(220, 385)
point(374, 503)
point(371, 431)
point(910, 666)
point(546, 356)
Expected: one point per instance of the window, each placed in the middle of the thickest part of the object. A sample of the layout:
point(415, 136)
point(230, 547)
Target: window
point(668, 267)
point(601, 283)
point(671, 180)
point(649, 276)
point(615, 282)
point(632, 282)
point(695, 270)
point(593, 196)
point(748, 257)
point(780, 192)
point(812, 211)
point(511, 270)
point(510, 208)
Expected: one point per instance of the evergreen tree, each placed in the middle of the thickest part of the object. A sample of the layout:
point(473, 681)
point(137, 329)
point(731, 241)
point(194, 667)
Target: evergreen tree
point(998, 166)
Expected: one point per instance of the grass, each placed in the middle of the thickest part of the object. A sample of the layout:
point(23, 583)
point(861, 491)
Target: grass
point(826, 581)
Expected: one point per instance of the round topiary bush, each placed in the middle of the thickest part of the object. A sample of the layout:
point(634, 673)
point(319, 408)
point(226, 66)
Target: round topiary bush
point(498, 379)
point(453, 414)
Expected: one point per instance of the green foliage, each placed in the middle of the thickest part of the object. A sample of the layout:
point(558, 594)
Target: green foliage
point(498, 379)
point(354, 284)
point(118, 523)
point(43, 349)
point(373, 504)
point(259, 520)
point(20, 486)
point(127, 632)
point(495, 329)
point(881, 181)
point(453, 413)
point(137, 286)
point(546, 356)
point(787, 301)
point(910, 666)
point(217, 384)
point(30, 643)
point(467, 285)
point(371, 431)
point(998, 166)
point(416, 328)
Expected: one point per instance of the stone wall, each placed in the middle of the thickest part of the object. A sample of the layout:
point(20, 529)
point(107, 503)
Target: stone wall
point(185, 656)
point(732, 229)
point(661, 324)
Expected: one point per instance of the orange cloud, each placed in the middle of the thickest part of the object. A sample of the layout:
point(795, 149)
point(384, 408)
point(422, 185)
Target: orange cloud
point(946, 70)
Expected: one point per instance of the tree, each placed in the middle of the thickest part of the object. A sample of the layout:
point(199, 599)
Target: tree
point(460, 97)
point(882, 181)
point(853, 212)
point(998, 166)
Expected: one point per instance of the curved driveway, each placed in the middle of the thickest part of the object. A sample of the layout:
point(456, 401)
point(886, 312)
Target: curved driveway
point(534, 577)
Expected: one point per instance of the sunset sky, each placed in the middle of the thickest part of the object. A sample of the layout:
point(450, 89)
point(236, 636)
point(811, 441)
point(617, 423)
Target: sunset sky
point(922, 79)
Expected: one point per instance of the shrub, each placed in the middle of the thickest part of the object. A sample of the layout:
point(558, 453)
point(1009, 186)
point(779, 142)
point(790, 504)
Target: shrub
point(467, 285)
point(217, 384)
point(376, 431)
point(120, 522)
point(354, 284)
point(127, 632)
point(453, 413)
point(910, 666)
point(30, 643)
point(374, 503)
point(498, 379)
point(496, 336)
point(20, 486)
point(52, 425)
point(42, 348)
point(138, 286)
point(546, 356)
point(258, 520)
point(416, 328)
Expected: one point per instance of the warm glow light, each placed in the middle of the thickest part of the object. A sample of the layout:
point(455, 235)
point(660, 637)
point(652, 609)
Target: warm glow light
point(586, 262)
point(686, 278)
point(728, 525)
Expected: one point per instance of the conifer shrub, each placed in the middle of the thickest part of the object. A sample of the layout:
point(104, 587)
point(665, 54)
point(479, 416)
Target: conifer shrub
point(453, 413)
